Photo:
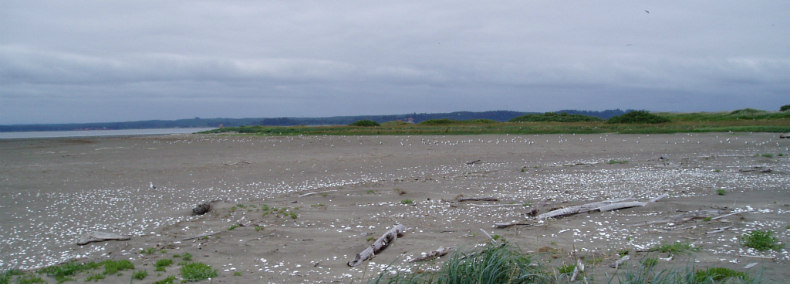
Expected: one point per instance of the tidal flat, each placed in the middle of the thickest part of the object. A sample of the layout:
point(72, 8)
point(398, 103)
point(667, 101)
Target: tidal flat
point(297, 209)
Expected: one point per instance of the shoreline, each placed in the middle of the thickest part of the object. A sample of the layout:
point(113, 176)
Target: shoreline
point(58, 189)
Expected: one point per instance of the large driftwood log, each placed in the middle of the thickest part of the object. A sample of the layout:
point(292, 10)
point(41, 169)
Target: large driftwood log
point(580, 208)
point(434, 254)
point(621, 205)
point(380, 244)
point(90, 237)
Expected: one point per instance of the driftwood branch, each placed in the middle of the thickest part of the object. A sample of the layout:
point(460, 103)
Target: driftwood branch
point(201, 236)
point(579, 268)
point(442, 251)
point(489, 236)
point(510, 224)
point(495, 205)
point(318, 192)
point(728, 215)
point(377, 246)
point(619, 262)
point(680, 218)
point(478, 199)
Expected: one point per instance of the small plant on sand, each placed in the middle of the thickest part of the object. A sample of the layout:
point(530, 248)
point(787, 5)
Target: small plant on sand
point(234, 226)
point(523, 169)
point(674, 248)
point(371, 191)
point(370, 238)
point(612, 162)
point(196, 271)
point(186, 256)
point(168, 280)
point(113, 266)
point(407, 201)
point(237, 273)
point(649, 262)
point(30, 278)
point(95, 277)
point(768, 155)
point(721, 192)
point(162, 263)
point(258, 228)
point(761, 240)
point(567, 269)
point(148, 251)
point(717, 274)
point(140, 275)
point(623, 252)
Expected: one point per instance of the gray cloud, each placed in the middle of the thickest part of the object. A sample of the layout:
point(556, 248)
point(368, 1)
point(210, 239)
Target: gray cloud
point(80, 61)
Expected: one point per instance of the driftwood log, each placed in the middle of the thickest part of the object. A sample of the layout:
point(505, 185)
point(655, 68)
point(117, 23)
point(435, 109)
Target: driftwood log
point(95, 236)
point(319, 192)
point(383, 242)
point(442, 251)
point(603, 206)
point(680, 218)
point(478, 199)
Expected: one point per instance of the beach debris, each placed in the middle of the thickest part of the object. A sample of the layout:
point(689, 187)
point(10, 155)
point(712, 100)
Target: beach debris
point(96, 236)
point(718, 230)
point(579, 268)
point(441, 251)
point(201, 236)
point(580, 208)
point(317, 192)
point(755, 169)
point(473, 162)
point(619, 262)
point(380, 244)
point(202, 209)
point(478, 199)
point(750, 265)
point(784, 136)
point(514, 223)
point(602, 206)
point(684, 217)
point(489, 236)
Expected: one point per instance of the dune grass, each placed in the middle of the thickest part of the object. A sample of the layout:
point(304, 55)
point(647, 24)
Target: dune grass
point(507, 264)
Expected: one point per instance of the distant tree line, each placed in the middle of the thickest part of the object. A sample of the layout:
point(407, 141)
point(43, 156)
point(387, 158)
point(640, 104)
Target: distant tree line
point(499, 115)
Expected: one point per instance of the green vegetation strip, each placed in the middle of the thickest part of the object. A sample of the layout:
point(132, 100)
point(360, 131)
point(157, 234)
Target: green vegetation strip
point(635, 122)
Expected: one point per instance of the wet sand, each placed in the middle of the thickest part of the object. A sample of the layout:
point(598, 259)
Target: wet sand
point(54, 190)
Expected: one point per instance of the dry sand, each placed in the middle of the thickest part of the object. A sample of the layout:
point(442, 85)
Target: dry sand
point(54, 190)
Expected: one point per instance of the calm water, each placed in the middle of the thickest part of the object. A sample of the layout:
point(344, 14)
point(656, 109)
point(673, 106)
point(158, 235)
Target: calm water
point(95, 133)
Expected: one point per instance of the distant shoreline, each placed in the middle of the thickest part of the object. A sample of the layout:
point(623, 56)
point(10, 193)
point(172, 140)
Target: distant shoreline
point(99, 133)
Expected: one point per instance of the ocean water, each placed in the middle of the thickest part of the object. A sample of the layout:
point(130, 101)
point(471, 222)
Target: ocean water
point(98, 133)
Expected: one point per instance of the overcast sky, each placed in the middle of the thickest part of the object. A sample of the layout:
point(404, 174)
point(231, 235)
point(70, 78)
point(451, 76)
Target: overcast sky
point(98, 61)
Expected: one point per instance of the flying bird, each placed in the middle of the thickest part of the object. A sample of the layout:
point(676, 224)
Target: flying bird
point(646, 11)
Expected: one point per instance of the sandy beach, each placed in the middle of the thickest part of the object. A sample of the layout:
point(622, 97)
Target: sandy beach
point(333, 194)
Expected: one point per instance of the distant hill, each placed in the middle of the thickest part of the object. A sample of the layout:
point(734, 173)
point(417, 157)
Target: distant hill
point(499, 115)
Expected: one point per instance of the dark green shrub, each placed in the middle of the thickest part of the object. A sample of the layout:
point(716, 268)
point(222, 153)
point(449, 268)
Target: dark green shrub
point(638, 116)
point(443, 121)
point(784, 108)
point(366, 123)
point(747, 111)
point(555, 117)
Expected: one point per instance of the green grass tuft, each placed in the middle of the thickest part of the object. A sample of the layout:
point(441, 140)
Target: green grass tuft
point(761, 240)
point(168, 280)
point(162, 263)
point(95, 277)
point(721, 192)
point(407, 201)
point(196, 271)
point(675, 248)
point(717, 274)
point(140, 275)
point(612, 162)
